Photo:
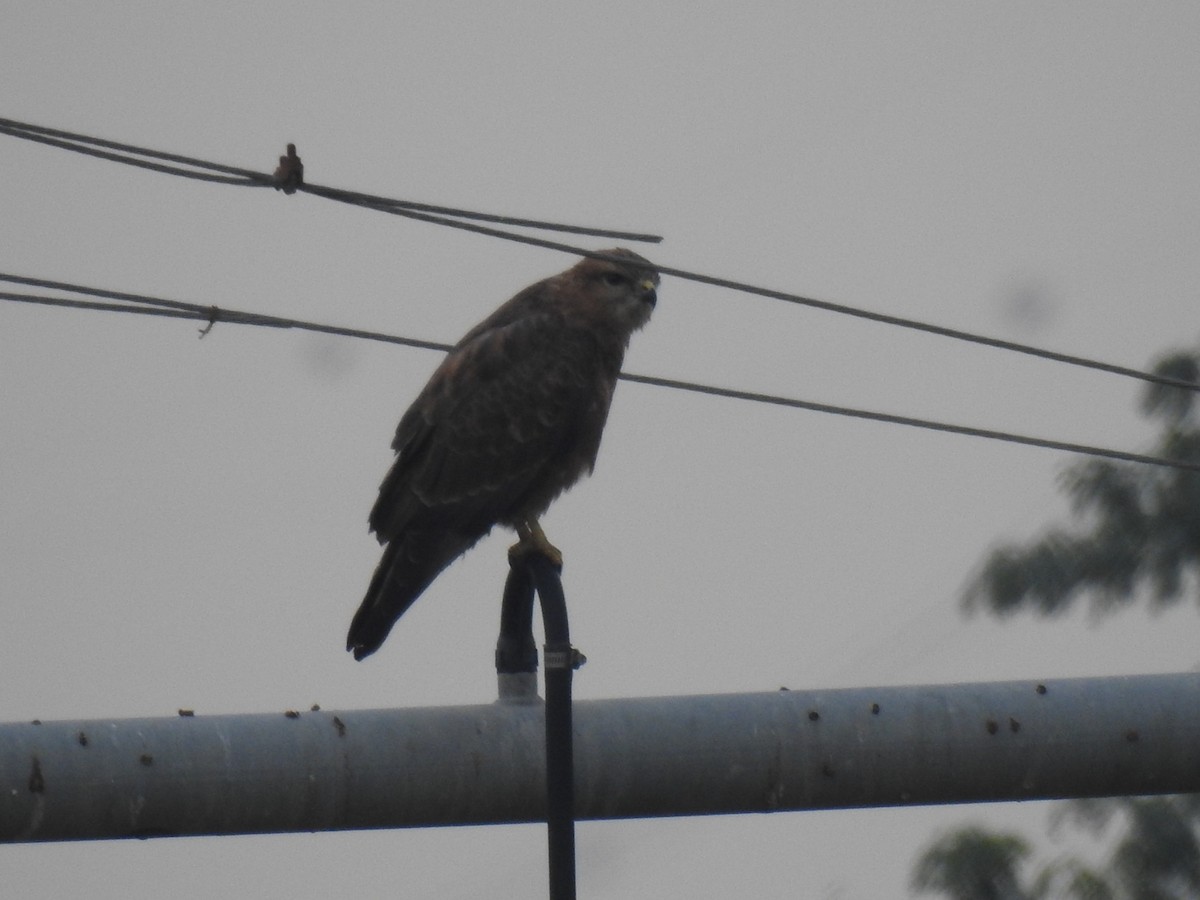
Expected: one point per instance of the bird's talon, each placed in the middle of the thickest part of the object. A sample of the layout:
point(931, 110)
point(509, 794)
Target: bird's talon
point(534, 540)
point(521, 549)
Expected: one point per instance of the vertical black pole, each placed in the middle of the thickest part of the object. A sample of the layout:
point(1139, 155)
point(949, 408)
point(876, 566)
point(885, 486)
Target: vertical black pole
point(559, 661)
point(516, 651)
point(528, 572)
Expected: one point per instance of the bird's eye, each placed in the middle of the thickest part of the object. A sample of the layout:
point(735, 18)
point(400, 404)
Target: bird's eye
point(614, 278)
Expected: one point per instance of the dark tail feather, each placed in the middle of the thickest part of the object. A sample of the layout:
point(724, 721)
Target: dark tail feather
point(408, 566)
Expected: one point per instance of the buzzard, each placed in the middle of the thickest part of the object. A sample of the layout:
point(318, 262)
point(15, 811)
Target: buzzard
point(510, 419)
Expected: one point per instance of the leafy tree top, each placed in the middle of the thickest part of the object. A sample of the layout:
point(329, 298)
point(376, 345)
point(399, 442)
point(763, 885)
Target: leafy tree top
point(1136, 532)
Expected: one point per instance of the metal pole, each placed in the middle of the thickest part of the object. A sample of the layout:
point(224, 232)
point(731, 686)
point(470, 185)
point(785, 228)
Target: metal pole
point(561, 660)
point(516, 656)
point(784, 750)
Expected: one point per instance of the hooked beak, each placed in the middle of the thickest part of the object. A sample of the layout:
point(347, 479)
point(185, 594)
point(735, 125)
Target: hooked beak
point(649, 294)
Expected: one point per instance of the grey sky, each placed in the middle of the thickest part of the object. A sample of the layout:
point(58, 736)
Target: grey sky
point(184, 521)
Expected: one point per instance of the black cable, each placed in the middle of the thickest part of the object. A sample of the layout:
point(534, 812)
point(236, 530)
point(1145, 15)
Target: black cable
point(516, 652)
point(939, 330)
point(125, 153)
point(249, 179)
point(427, 213)
point(892, 419)
point(398, 207)
point(28, 131)
point(560, 661)
point(213, 314)
point(96, 292)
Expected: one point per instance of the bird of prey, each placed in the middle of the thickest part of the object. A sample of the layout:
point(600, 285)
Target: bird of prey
point(510, 419)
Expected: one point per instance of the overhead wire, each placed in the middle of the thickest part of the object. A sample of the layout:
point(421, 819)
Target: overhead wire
point(156, 306)
point(205, 170)
point(910, 421)
point(454, 218)
point(175, 309)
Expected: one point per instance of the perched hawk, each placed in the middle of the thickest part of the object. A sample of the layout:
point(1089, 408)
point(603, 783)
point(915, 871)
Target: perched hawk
point(510, 419)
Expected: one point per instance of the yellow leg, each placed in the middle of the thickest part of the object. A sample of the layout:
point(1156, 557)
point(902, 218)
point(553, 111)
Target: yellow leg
point(534, 540)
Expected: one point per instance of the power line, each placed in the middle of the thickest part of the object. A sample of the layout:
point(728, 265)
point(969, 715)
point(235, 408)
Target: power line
point(893, 419)
point(155, 306)
point(941, 331)
point(204, 170)
point(439, 215)
point(174, 309)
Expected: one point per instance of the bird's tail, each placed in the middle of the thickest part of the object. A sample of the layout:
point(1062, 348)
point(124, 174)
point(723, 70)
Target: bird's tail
point(408, 566)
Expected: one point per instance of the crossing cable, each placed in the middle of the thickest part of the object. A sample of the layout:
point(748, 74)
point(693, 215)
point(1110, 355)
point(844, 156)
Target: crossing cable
point(175, 309)
point(154, 306)
point(204, 170)
point(438, 215)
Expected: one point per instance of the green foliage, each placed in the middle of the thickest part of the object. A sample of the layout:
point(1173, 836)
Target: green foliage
point(1159, 859)
point(1137, 531)
point(1071, 880)
point(1156, 856)
point(1138, 534)
point(1172, 403)
point(972, 864)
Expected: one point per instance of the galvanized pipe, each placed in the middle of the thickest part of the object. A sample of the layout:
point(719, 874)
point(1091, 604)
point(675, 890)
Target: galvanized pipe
point(786, 750)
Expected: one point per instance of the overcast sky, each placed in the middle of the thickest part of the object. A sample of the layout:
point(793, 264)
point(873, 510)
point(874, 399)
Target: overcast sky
point(184, 521)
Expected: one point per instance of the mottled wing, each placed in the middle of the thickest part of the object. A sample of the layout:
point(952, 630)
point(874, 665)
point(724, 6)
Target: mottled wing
point(503, 411)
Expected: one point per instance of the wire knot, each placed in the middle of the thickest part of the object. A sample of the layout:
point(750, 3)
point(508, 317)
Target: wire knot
point(290, 173)
point(214, 313)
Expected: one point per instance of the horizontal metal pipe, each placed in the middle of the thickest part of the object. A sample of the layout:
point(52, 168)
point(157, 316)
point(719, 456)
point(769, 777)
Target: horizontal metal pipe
point(787, 750)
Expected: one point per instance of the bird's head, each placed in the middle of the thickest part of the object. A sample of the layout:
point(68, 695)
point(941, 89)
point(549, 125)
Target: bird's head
point(618, 290)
